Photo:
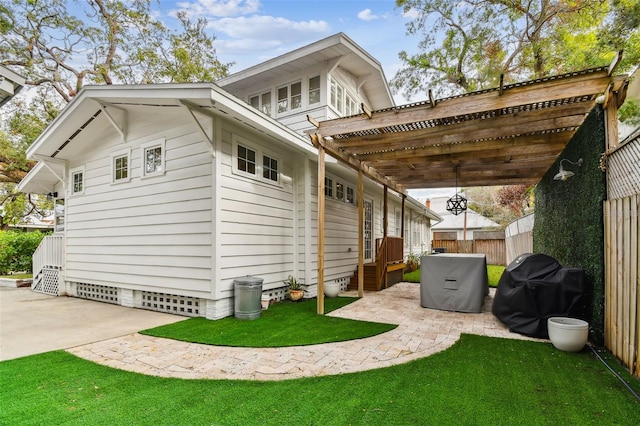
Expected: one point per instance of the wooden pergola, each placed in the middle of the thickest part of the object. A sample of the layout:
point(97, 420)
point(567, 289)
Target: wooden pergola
point(507, 135)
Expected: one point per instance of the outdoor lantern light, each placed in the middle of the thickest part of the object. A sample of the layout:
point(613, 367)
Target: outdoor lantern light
point(566, 174)
point(457, 204)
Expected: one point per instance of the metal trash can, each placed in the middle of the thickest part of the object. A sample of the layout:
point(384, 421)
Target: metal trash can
point(247, 295)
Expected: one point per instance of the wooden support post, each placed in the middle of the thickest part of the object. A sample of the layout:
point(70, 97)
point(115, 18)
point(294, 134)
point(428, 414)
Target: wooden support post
point(611, 123)
point(402, 220)
point(321, 174)
point(360, 234)
point(385, 218)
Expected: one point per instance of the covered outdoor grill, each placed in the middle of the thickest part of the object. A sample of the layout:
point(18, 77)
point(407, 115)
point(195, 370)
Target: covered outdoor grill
point(533, 288)
point(453, 282)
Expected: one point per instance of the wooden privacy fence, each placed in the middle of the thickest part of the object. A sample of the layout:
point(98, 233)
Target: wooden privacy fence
point(489, 243)
point(622, 280)
point(518, 237)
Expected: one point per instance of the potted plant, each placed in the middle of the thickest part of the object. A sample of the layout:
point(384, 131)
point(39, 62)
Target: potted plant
point(295, 288)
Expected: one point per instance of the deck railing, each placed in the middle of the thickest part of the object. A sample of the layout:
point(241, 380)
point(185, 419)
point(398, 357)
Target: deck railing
point(389, 250)
point(50, 253)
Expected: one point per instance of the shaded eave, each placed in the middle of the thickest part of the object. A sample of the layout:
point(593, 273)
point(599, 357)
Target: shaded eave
point(336, 50)
point(502, 136)
point(10, 84)
point(100, 109)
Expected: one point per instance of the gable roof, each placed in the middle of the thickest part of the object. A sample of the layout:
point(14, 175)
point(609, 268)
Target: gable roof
point(99, 109)
point(336, 50)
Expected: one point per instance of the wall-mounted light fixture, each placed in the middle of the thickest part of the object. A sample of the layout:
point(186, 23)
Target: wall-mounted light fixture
point(566, 174)
point(52, 195)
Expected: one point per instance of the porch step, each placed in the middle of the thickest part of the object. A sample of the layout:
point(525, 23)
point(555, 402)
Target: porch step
point(394, 276)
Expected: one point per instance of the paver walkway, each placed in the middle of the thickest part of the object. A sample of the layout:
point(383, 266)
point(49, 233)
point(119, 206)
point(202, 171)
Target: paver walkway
point(420, 333)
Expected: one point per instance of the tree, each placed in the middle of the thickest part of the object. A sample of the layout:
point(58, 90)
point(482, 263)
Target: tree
point(469, 44)
point(502, 204)
point(26, 123)
point(63, 45)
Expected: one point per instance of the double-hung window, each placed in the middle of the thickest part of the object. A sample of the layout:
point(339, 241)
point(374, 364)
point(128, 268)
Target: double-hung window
point(289, 97)
point(314, 90)
point(334, 188)
point(262, 102)
point(121, 166)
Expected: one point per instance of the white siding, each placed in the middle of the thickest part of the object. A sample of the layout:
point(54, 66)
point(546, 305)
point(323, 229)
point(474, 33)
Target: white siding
point(150, 233)
point(257, 219)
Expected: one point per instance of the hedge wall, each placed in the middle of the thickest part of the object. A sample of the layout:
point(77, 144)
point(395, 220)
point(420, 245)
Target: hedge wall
point(16, 249)
point(569, 220)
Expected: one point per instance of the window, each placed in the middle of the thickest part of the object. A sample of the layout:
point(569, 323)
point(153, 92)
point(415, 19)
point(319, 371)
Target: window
point(339, 191)
point(283, 99)
point(262, 102)
point(153, 157)
point(341, 100)
point(290, 97)
point(246, 160)
point(250, 160)
point(121, 166)
point(328, 187)
point(398, 222)
point(77, 181)
point(351, 106)
point(314, 90)
point(351, 199)
point(270, 168)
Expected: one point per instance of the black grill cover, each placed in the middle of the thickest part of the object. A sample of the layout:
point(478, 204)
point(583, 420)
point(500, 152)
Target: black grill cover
point(533, 288)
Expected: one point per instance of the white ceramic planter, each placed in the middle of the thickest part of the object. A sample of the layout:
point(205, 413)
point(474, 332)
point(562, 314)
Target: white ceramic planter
point(568, 334)
point(265, 300)
point(331, 289)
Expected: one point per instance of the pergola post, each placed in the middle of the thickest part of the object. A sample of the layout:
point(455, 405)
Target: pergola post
point(321, 175)
point(360, 234)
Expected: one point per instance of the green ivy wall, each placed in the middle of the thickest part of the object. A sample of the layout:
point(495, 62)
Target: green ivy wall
point(569, 219)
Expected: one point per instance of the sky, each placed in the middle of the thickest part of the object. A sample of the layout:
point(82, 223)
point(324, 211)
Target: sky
point(252, 31)
point(249, 32)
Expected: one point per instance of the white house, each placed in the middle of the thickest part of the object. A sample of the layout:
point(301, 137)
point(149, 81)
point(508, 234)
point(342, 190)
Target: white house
point(168, 193)
point(464, 224)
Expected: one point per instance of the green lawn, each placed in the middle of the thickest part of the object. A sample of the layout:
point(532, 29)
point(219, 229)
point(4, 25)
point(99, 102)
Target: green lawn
point(278, 326)
point(479, 381)
point(494, 272)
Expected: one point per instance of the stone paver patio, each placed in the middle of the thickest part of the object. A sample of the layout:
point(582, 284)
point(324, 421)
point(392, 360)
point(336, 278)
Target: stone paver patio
point(420, 333)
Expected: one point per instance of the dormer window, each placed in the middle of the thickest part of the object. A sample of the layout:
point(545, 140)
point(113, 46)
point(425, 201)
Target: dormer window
point(289, 97)
point(262, 102)
point(314, 90)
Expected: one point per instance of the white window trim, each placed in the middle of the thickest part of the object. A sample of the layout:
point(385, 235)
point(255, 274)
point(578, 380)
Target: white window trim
point(114, 156)
point(72, 172)
point(152, 144)
point(289, 108)
point(260, 152)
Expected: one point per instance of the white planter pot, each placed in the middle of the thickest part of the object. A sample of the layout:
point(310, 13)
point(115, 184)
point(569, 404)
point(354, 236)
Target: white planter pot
point(568, 334)
point(331, 289)
point(265, 300)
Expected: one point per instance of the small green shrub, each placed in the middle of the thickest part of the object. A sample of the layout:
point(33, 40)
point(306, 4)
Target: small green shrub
point(16, 249)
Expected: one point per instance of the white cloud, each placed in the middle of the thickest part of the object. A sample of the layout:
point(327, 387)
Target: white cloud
point(411, 13)
point(219, 8)
point(367, 15)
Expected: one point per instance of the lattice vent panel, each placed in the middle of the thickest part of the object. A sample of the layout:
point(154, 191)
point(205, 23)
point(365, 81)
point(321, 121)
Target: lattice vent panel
point(344, 282)
point(49, 282)
point(277, 294)
point(100, 293)
point(171, 304)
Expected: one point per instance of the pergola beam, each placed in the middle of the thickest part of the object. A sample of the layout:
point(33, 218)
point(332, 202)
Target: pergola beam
point(540, 91)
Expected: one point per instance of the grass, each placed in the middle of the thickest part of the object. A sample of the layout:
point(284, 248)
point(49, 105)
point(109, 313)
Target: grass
point(479, 381)
point(17, 276)
point(494, 272)
point(283, 324)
